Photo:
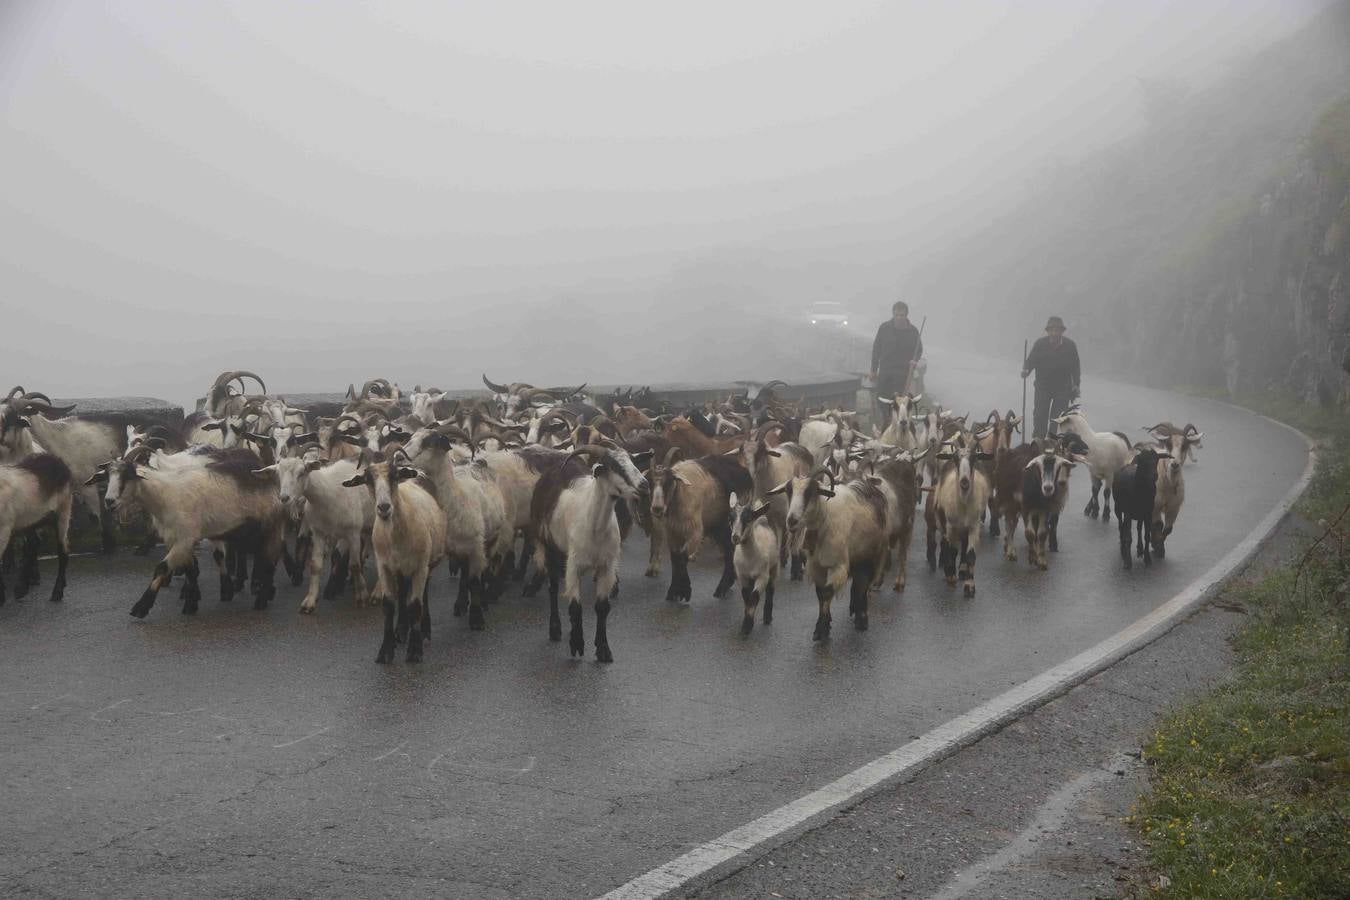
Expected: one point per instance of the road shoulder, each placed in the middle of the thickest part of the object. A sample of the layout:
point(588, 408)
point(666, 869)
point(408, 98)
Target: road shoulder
point(1034, 810)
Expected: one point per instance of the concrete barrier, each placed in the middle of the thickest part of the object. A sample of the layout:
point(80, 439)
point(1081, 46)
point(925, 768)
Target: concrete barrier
point(141, 407)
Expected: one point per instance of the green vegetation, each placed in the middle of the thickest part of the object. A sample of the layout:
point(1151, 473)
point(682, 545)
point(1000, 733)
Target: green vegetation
point(1250, 784)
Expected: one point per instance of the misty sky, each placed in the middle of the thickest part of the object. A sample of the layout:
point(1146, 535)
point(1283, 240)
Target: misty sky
point(331, 191)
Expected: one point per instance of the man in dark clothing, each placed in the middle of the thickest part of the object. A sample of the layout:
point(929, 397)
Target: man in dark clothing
point(894, 352)
point(1054, 359)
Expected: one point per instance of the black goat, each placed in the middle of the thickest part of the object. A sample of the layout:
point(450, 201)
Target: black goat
point(1135, 485)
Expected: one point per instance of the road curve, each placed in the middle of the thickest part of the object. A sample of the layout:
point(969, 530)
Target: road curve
point(240, 752)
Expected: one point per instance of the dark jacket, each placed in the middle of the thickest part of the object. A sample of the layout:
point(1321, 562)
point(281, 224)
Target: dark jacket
point(895, 348)
point(1056, 368)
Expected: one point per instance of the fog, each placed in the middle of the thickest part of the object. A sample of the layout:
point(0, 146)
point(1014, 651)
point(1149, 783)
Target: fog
point(551, 192)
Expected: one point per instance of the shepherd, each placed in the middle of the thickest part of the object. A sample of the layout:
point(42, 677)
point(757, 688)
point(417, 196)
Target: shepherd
point(895, 352)
point(1054, 359)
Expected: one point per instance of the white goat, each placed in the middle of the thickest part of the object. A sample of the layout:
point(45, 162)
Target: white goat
point(409, 540)
point(31, 491)
point(755, 558)
point(845, 538)
point(337, 519)
point(1107, 452)
point(573, 517)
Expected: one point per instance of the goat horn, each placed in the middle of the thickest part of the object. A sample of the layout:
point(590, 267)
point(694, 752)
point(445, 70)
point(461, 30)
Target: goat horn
point(239, 375)
point(493, 386)
point(16, 391)
point(594, 451)
point(672, 456)
point(453, 431)
point(28, 404)
point(138, 454)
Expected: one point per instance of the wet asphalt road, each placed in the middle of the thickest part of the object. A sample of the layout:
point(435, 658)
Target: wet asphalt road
point(239, 753)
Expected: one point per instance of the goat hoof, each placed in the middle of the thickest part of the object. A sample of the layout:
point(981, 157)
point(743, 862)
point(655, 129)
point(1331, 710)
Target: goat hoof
point(142, 607)
point(476, 619)
point(747, 625)
point(576, 646)
point(969, 591)
point(58, 592)
point(602, 654)
point(20, 590)
point(414, 654)
point(652, 573)
point(386, 654)
point(860, 621)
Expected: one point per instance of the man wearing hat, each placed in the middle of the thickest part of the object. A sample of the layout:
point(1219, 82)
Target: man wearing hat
point(1054, 359)
point(895, 352)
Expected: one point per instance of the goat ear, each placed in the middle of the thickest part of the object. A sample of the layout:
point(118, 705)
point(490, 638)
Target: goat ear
point(825, 492)
point(355, 481)
point(944, 456)
point(353, 439)
point(265, 471)
point(406, 472)
point(22, 422)
point(641, 459)
point(681, 478)
point(314, 465)
point(138, 472)
point(774, 452)
point(781, 489)
point(982, 455)
point(98, 477)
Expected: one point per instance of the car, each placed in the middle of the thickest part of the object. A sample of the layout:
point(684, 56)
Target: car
point(827, 312)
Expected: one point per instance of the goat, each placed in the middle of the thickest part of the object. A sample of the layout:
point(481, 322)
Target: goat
point(1171, 493)
point(222, 500)
point(770, 466)
point(900, 431)
point(335, 517)
point(1136, 485)
point(898, 481)
point(82, 442)
point(573, 515)
point(755, 557)
point(1005, 499)
point(479, 529)
point(845, 537)
point(223, 400)
point(1164, 431)
point(1106, 452)
point(1045, 489)
point(33, 490)
point(691, 500)
point(408, 537)
point(961, 495)
point(683, 433)
point(997, 440)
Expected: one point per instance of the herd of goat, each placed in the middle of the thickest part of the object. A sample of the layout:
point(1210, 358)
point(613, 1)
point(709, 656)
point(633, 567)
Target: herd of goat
point(418, 478)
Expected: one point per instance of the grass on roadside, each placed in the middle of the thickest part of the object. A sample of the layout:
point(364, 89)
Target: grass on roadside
point(1250, 784)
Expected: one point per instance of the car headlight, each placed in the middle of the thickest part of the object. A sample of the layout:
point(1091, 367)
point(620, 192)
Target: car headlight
point(813, 321)
point(845, 322)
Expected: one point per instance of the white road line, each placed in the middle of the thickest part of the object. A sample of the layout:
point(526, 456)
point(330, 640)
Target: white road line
point(731, 851)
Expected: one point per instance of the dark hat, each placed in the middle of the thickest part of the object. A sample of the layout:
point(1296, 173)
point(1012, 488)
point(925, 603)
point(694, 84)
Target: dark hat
point(1055, 322)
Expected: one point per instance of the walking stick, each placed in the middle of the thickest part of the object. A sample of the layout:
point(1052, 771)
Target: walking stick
point(1023, 426)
